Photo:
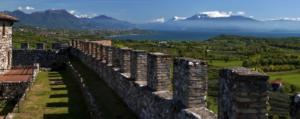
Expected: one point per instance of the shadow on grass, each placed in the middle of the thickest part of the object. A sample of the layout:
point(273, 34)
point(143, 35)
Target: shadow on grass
point(57, 104)
point(58, 96)
point(56, 116)
point(56, 89)
point(64, 81)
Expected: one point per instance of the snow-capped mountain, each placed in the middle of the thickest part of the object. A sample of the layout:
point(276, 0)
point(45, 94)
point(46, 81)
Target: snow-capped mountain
point(223, 18)
point(225, 21)
point(64, 19)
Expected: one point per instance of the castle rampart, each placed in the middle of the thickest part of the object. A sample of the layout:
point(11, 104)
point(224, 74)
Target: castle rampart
point(144, 82)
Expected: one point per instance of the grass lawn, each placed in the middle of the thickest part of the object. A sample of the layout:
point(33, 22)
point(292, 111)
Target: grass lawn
point(54, 95)
point(111, 105)
point(291, 77)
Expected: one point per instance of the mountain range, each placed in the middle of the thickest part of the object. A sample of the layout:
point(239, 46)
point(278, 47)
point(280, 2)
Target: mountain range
point(198, 22)
point(64, 19)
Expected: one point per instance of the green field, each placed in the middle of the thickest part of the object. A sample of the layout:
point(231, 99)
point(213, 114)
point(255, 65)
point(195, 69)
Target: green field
point(53, 96)
point(291, 77)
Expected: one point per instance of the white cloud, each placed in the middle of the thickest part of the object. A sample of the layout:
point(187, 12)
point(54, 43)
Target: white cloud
point(177, 18)
point(159, 20)
point(72, 11)
point(26, 8)
point(216, 14)
point(79, 15)
point(240, 13)
point(29, 8)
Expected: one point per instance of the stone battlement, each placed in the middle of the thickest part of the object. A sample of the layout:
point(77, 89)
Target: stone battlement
point(144, 82)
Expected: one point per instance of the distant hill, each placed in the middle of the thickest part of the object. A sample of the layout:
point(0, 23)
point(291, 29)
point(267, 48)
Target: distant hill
point(63, 19)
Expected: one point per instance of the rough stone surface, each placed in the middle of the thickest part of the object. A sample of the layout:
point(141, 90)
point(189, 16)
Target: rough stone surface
point(138, 65)
point(5, 46)
point(125, 60)
point(190, 82)
point(116, 57)
point(109, 56)
point(240, 90)
point(158, 71)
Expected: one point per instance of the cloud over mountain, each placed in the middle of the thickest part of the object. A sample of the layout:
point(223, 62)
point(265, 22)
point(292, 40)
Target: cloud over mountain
point(28, 8)
point(79, 15)
point(216, 14)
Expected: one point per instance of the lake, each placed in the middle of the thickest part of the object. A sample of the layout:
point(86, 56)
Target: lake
point(184, 35)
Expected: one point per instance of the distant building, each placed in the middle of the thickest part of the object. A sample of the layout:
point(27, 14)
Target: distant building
point(6, 23)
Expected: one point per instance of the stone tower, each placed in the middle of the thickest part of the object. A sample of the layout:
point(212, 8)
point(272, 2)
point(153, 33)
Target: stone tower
point(6, 23)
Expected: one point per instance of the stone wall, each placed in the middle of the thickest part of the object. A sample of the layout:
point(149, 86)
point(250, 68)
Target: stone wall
point(45, 58)
point(5, 46)
point(93, 109)
point(152, 101)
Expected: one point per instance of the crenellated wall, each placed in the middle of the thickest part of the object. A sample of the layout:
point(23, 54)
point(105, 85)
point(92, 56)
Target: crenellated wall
point(143, 81)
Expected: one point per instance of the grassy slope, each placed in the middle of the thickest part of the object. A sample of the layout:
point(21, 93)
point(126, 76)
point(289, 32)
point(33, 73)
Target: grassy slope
point(53, 101)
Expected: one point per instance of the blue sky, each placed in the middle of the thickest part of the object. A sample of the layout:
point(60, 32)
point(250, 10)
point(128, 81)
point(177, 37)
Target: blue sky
point(147, 10)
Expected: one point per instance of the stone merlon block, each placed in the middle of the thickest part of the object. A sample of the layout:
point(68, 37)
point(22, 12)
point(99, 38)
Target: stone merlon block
point(108, 51)
point(158, 71)
point(240, 90)
point(99, 52)
point(138, 65)
point(190, 82)
point(125, 60)
point(116, 57)
point(241, 73)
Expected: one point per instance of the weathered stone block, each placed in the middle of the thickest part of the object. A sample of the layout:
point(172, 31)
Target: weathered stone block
point(158, 71)
point(239, 95)
point(125, 60)
point(190, 82)
point(138, 65)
